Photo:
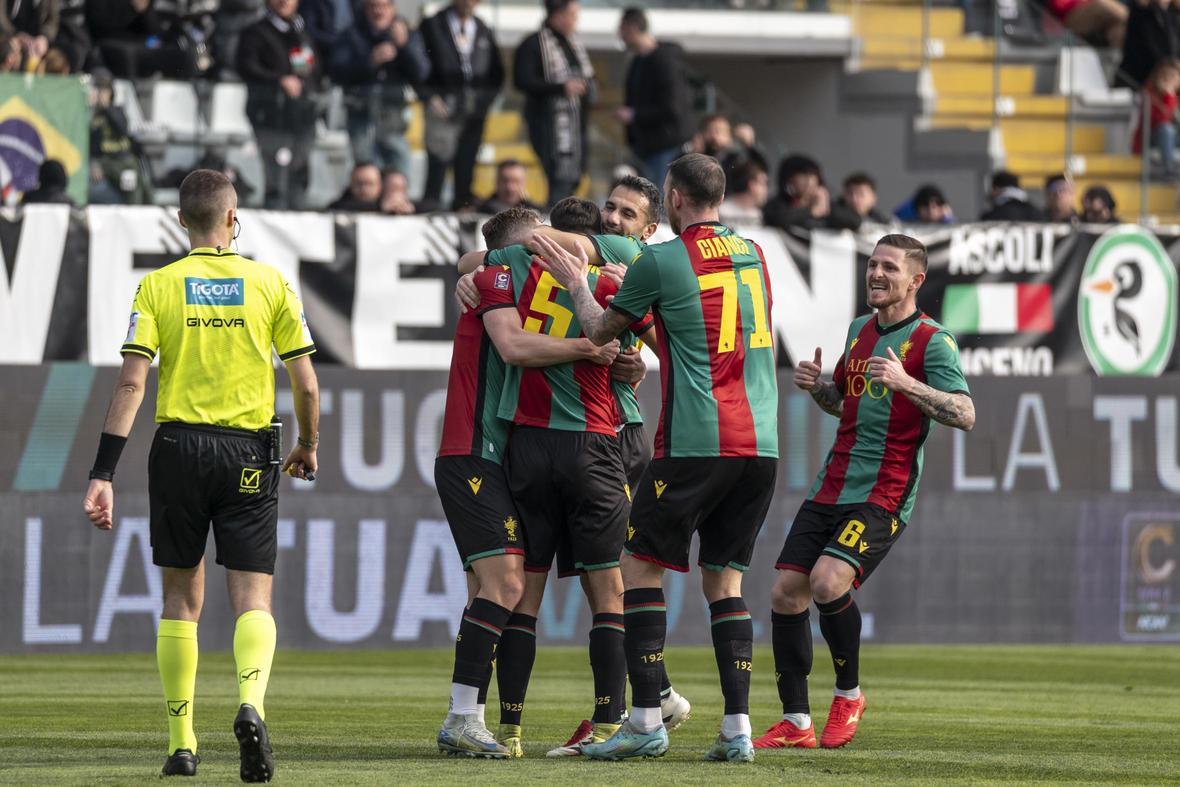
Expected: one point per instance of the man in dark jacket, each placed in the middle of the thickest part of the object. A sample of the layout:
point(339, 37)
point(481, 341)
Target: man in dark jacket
point(657, 103)
point(52, 182)
point(363, 194)
point(1153, 34)
point(141, 38)
point(1009, 201)
point(118, 170)
point(857, 204)
point(278, 63)
point(373, 65)
point(553, 71)
point(803, 199)
point(465, 76)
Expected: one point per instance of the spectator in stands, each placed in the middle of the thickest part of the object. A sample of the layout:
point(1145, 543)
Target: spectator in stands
point(73, 36)
point(278, 63)
point(1009, 201)
point(142, 38)
point(327, 20)
point(10, 54)
point(465, 76)
point(928, 206)
point(715, 137)
point(233, 17)
point(1159, 97)
point(1098, 206)
point(857, 204)
point(803, 199)
point(52, 182)
point(117, 167)
point(553, 72)
point(744, 135)
point(748, 182)
point(32, 23)
point(395, 194)
point(657, 103)
point(1099, 22)
point(511, 189)
point(1060, 199)
point(363, 194)
point(54, 63)
point(1153, 34)
point(374, 66)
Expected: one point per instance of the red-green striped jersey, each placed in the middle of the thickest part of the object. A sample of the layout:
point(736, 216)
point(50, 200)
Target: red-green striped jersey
point(622, 250)
point(470, 424)
point(877, 456)
point(575, 397)
point(709, 291)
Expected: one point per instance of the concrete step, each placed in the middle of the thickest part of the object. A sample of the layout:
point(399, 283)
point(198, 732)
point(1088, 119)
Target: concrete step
point(1161, 198)
point(1034, 137)
point(1101, 165)
point(977, 79)
point(884, 21)
point(1046, 107)
point(955, 49)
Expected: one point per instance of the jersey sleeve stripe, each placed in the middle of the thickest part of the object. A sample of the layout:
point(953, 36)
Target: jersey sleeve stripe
point(621, 310)
point(138, 349)
point(308, 350)
point(482, 310)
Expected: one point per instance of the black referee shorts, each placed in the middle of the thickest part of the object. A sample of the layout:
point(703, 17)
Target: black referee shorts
point(199, 475)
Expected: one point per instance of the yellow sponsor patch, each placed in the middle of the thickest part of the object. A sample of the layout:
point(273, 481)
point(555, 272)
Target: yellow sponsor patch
point(660, 487)
point(475, 482)
point(510, 526)
point(251, 481)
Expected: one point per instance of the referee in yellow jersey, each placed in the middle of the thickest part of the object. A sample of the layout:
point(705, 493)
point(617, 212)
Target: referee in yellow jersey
point(213, 317)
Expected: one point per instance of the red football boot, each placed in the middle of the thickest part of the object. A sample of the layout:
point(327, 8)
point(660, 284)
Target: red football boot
point(785, 735)
point(842, 720)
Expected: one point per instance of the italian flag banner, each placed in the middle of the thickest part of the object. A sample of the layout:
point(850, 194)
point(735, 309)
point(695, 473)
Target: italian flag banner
point(998, 308)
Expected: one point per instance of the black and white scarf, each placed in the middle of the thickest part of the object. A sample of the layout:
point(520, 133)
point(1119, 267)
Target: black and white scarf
point(565, 113)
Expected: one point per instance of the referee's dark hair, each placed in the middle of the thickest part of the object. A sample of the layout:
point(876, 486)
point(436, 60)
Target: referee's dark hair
point(699, 178)
point(508, 226)
point(633, 16)
point(205, 196)
point(577, 215)
point(648, 190)
point(914, 249)
point(556, 6)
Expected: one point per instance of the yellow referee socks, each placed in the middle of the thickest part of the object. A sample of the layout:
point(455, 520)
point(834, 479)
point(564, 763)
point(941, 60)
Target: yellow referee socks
point(254, 650)
point(176, 656)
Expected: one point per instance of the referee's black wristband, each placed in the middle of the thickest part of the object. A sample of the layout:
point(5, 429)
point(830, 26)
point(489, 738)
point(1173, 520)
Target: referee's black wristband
point(110, 446)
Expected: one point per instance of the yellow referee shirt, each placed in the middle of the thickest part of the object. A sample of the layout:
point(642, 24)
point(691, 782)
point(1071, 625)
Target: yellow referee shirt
point(213, 316)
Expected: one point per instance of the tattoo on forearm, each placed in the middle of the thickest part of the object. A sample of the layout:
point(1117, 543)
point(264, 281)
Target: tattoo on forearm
point(829, 398)
point(599, 325)
point(950, 409)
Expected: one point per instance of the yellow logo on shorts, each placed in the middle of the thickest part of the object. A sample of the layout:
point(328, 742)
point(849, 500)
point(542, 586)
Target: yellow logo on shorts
point(893, 526)
point(475, 482)
point(627, 489)
point(510, 525)
point(864, 546)
point(251, 481)
point(630, 532)
point(660, 487)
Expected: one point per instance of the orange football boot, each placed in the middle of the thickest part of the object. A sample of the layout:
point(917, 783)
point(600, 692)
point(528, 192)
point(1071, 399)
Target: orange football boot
point(785, 735)
point(842, 721)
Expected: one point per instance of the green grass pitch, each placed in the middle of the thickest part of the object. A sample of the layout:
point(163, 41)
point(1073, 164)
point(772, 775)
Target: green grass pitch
point(935, 714)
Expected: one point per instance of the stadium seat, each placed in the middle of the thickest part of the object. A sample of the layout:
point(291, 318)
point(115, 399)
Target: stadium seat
point(175, 109)
point(1080, 74)
point(227, 114)
point(125, 97)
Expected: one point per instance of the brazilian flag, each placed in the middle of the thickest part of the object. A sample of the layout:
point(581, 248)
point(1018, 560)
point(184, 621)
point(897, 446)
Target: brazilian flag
point(42, 117)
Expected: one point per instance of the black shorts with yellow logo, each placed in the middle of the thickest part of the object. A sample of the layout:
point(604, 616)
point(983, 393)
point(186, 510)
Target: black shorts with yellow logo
point(860, 534)
point(201, 475)
point(723, 499)
point(478, 506)
point(571, 490)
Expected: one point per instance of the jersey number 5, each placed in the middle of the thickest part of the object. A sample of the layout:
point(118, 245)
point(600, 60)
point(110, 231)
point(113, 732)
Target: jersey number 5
point(541, 304)
point(727, 281)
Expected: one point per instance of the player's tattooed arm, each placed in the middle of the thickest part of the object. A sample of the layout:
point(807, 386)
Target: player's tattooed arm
point(600, 325)
point(950, 409)
point(829, 398)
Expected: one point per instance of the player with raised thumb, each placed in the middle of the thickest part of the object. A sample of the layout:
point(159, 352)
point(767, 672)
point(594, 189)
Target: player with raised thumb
point(807, 372)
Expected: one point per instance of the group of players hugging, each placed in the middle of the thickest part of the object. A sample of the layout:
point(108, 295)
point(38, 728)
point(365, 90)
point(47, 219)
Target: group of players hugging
point(544, 456)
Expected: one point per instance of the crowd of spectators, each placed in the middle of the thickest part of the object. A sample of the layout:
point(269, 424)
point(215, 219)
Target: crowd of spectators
point(288, 51)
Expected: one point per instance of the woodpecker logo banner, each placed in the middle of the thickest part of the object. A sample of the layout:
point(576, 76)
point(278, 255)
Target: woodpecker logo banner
point(1023, 300)
point(1072, 481)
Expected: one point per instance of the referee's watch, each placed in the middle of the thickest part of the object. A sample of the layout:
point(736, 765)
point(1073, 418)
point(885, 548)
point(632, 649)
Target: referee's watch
point(312, 443)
